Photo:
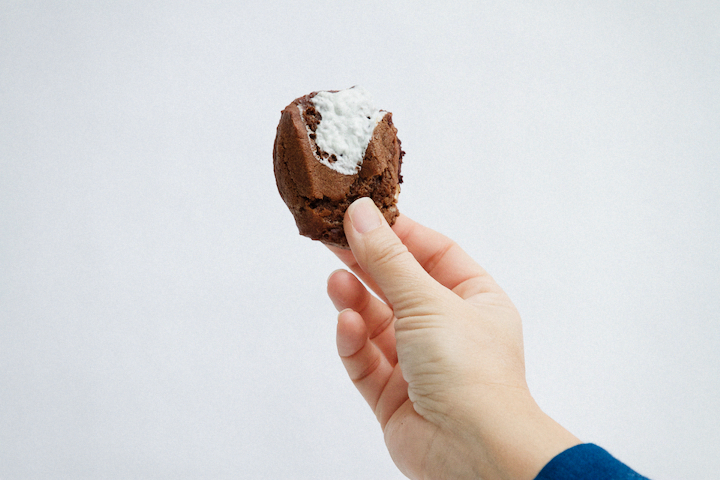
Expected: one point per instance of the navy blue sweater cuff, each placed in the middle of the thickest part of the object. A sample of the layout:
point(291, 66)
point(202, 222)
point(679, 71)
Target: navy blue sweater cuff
point(586, 462)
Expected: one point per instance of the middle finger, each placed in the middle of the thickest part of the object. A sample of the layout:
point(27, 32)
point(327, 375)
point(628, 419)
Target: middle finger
point(346, 291)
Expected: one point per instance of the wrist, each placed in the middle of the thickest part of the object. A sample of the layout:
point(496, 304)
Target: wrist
point(518, 440)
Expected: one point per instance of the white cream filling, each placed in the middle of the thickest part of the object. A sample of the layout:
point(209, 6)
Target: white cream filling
point(347, 124)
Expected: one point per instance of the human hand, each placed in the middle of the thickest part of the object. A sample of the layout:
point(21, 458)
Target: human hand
point(439, 356)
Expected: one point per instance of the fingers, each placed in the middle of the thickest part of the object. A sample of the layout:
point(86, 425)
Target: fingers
point(440, 256)
point(378, 382)
point(443, 259)
point(346, 291)
point(346, 256)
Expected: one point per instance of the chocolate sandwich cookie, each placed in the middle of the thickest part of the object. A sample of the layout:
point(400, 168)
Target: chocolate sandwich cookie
point(332, 148)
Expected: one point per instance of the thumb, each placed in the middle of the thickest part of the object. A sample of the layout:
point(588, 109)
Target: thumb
point(381, 254)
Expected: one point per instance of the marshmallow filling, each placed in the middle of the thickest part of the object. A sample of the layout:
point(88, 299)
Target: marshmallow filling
point(341, 124)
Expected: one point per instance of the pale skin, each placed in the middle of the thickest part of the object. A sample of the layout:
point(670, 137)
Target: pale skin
point(437, 354)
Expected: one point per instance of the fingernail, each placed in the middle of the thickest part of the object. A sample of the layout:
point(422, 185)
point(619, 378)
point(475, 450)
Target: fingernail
point(364, 215)
point(333, 273)
point(343, 311)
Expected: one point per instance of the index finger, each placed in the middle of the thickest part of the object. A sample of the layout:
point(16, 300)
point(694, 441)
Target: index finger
point(440, 256)
point(444, 259)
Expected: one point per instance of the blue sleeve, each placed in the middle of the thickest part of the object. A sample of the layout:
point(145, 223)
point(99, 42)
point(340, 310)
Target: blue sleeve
point(585, 462)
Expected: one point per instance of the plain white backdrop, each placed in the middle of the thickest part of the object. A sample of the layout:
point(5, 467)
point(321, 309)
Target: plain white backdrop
point(161, 318)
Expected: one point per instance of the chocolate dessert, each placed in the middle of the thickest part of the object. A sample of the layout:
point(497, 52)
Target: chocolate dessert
point(332, 148)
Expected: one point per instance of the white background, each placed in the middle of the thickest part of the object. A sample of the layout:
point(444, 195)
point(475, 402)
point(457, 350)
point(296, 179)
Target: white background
point(161, 318)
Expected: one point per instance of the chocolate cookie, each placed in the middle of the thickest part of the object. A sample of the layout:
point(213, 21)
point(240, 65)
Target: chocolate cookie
point(332, 148)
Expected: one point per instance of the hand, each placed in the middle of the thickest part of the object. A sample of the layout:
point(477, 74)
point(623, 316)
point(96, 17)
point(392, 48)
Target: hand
point(438, 356)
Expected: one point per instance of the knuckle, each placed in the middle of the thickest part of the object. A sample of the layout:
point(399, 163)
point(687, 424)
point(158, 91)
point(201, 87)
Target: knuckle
point(385, 254)
point(360, 373)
